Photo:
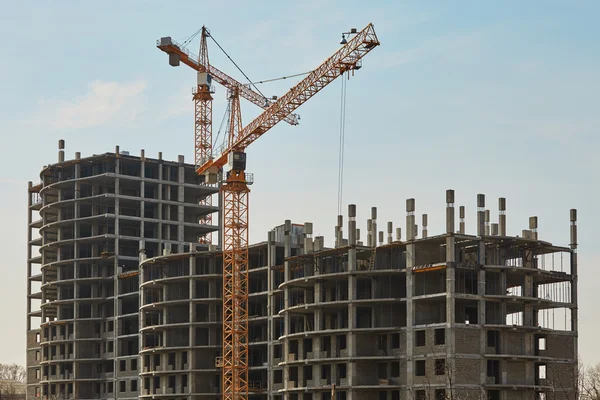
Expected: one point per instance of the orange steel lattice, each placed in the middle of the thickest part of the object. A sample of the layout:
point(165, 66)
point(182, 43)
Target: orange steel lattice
point(345, 59)
point(235, 286)
point(235, 190)
point(203, 126)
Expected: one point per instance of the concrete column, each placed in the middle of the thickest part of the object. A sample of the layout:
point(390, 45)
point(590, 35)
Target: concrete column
point(410, 317)
point(351, 337)
point(487, 222)
point(480, 215)
point(398, 234)
point(533, 226)
point(410, 219)
point(390, 230)
point(502, 216)
point(450, 211)
point(270, 309)
point(461, 214)
point(374, 225)
point(352, 237)
point(370, 232)
point(308, 242)
point(410, 314)
point(29, 252)
point(160, 203)
point(424, 224)
point(286, 318)
point(339, 233)
point(450, 281)
point(494, 229)
point(61, 151)
point(380, 238)
point(180, 199)
point(574, 276)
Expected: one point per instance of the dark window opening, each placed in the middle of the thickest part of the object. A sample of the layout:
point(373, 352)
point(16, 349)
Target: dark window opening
point(440, 336)
point(420, 368)
point(440, 366)
point(420, 338)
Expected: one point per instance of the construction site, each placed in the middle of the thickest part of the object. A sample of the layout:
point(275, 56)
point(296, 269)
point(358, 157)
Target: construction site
point(142, 284)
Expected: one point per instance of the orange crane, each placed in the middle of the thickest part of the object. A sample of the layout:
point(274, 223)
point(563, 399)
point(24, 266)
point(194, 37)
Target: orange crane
point(235, 187)
point(202, 96)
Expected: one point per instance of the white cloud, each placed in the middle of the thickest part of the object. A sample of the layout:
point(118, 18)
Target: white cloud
point(104, 102)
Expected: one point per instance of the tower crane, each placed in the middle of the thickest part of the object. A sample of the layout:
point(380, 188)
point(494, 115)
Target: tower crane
point(235, 186)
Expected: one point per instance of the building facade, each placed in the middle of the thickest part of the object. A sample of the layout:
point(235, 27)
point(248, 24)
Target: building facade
point(453, 316)
point(87, 220)
point(125, 303)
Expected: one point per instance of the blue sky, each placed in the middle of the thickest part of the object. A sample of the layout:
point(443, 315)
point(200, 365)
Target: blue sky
point(482, 97)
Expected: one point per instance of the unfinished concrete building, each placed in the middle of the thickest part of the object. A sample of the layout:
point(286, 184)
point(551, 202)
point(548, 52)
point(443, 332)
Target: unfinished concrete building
point(457, 315)
point(86, 220)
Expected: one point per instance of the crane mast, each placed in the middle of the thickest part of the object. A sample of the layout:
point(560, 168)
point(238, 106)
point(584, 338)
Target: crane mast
point(203, 121)
point(235, 189)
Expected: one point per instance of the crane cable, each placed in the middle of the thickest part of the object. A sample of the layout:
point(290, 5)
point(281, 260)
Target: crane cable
point(281, 78)
point(341, 149)
point(239, 69)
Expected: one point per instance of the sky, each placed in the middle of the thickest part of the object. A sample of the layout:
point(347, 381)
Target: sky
point(499, 98)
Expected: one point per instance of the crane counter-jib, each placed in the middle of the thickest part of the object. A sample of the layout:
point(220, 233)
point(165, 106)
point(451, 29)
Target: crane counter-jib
point(346, 58)
point(179, 53)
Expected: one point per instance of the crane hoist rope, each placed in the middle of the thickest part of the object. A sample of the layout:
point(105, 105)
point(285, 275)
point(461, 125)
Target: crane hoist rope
point(341, 145)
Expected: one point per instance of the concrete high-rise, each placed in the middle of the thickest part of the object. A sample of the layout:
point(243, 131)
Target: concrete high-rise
point(87, 219)
point(457, 315)
point(125, 303)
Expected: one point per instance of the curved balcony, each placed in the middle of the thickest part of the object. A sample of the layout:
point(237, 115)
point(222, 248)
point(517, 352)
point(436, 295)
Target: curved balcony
point(310, 280)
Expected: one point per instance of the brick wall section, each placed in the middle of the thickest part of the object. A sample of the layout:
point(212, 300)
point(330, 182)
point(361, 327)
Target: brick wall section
point(430, 347)
point(513, 343)
point(559, 346)
point(515, 373)
point(466, 370)
point(562, 377)
point(366, 374)
point(467, 340)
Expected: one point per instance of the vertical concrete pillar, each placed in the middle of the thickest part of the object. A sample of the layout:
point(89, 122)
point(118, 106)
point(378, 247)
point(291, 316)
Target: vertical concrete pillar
point(352, 237)
point(180, 199)
point(61, 151)
point(287, 252)
point(574, 276)
point(450, 281)
point(533, 226)
point(370, 232)
point(339, 233)
point(308, 241)
point(482, 226)
point(450, 211)
point(480, 215)
point(424, 223)
point(410, 219)
point(502, 216)
point(390, 230)
point(494, 229)
point(270, 309)
point(380, 238)
point(374, 225)
point(398, 234)
point(487, 222)
point(461, 214)
point(351, 337)
point(358, 241)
